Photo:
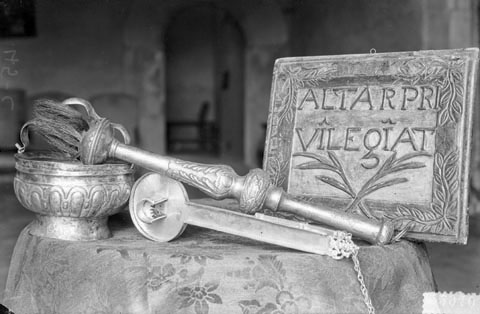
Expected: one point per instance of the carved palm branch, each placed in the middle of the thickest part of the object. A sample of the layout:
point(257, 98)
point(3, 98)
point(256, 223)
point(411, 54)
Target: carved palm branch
point(332, 164)
point(375, 183)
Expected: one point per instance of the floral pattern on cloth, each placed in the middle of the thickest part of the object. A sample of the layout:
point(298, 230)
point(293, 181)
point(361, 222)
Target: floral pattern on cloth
point(200, 296)
point(200, 259)
point(207, 272)
point(269, 273)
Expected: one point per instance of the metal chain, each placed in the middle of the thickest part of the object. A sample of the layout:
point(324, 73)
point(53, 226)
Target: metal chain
point(340, 246)
point(363, 287)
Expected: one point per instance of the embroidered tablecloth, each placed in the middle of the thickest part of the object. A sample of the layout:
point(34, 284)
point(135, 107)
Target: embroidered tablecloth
point(204, 272)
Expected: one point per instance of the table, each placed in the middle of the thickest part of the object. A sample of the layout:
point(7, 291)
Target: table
point(204, 272)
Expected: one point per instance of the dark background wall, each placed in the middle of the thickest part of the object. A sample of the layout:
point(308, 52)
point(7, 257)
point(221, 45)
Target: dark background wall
point(79, 48)
point(351, 27)
point(163, 53)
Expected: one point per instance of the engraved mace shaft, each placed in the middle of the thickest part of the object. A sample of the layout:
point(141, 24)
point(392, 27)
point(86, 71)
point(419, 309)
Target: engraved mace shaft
point(253, 191)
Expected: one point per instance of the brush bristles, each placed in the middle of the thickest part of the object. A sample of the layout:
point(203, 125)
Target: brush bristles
point(60, 125)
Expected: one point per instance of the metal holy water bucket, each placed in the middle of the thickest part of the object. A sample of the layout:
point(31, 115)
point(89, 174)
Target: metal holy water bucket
point(72, 201)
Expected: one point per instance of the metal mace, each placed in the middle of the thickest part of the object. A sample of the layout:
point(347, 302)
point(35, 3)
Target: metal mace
point(254, 191)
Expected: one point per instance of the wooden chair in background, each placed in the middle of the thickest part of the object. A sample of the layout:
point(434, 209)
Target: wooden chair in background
point(194, 136)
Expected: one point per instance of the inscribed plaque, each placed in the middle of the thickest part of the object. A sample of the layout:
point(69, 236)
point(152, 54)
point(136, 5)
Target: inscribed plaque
point(384, 135)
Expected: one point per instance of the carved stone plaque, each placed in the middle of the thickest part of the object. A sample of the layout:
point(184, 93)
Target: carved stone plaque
point(385, 135)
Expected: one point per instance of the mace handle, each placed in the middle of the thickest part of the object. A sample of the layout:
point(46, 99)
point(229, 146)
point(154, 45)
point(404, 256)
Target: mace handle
point(217, 181)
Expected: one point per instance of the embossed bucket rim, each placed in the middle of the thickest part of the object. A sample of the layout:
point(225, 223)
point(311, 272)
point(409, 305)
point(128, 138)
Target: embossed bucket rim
point(58, 164)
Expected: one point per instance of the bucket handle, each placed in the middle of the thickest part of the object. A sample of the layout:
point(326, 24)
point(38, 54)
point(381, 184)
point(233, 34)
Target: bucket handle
point(23, 138)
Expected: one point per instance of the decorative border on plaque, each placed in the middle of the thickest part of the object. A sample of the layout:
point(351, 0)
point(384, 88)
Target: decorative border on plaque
point(445, 80)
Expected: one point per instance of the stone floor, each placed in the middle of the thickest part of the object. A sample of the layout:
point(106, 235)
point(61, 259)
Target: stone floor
point(455, 267)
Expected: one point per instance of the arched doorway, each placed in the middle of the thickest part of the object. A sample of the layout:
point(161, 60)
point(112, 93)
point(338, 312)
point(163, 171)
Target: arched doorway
point(204, 48)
